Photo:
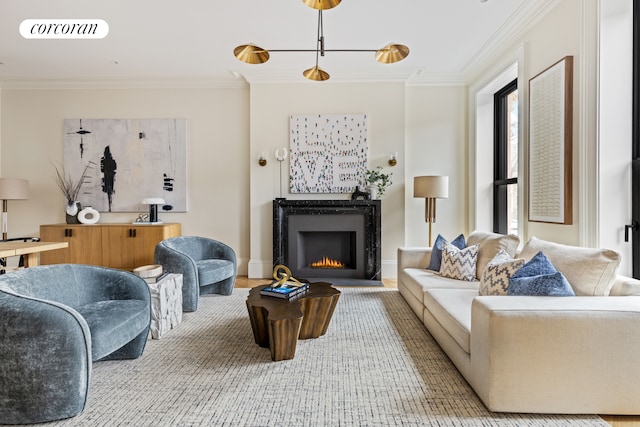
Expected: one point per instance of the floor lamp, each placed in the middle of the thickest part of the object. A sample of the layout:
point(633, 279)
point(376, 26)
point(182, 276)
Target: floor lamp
point(11, 189)
point(430, 188)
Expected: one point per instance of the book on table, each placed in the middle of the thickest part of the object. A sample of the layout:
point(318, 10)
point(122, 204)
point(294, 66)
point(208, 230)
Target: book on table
point(286, 290)
point(156, 279)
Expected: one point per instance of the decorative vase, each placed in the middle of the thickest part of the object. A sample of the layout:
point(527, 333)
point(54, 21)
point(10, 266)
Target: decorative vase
point(72, 212)
point(373, 191)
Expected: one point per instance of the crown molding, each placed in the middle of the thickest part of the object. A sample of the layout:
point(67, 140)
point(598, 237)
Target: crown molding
point(115, 84)
point(522, 21)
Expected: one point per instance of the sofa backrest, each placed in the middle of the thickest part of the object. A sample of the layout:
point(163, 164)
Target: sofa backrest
point(489, 246)
point(590, 271)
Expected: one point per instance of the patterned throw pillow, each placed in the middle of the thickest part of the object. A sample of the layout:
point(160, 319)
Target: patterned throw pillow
point(459, 263)
point(495, 277)
point(436, 251)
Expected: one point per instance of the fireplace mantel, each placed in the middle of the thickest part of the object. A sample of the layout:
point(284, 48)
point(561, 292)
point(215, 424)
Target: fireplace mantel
point(370, 210)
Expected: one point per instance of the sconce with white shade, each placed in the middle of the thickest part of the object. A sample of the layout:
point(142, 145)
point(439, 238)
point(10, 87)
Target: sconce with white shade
point(393, 158)
point(430, 188)
point(11, 189)
point(153, 203)
point(262, 160)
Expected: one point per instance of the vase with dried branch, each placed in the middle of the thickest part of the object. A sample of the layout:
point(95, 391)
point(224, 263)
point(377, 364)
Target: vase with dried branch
point(70, 188)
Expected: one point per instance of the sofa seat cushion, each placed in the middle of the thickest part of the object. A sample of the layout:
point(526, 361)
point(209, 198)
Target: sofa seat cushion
point(417, 280)
point(452, 309)
point(212, 271)
point(590, 272)
point(114, 323)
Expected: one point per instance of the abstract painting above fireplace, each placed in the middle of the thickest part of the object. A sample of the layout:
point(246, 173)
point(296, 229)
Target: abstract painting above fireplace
point(328, 238)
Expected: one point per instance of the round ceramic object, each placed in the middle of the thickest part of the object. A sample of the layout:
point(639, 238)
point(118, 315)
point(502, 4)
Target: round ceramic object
point(147, 271)
point(88, 215)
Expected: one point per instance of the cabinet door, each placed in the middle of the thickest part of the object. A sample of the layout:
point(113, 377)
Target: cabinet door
point(131, 246)
point(85, 244)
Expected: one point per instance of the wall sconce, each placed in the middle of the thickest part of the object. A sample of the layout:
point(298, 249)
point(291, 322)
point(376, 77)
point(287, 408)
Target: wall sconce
point(393, 158)
point(262, 161)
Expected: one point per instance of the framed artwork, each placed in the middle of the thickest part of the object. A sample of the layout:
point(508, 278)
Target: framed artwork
point(126, 161)
point(328, 152)
point(550, 144)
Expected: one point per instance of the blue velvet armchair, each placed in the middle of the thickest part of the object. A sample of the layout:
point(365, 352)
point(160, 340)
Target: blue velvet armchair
point(56, 321)
point(207, 266)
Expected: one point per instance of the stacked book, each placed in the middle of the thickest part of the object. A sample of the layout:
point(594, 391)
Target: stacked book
point(286, 290)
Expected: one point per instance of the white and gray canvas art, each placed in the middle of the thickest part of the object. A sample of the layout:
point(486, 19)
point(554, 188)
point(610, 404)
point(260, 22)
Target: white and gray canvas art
point(127, 160)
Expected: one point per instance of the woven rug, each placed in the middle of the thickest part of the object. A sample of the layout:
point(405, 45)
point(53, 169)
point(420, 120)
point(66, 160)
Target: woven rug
point(376, 366)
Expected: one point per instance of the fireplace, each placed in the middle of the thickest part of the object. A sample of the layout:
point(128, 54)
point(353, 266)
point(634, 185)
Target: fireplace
point(328, 238)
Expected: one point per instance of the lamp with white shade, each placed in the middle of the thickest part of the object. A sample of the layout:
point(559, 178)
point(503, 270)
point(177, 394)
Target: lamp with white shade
point(430, 188)
point(11, 189)
point(153, 203)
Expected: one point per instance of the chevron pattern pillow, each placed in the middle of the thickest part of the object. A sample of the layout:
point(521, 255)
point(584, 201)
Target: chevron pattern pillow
point(459, 263)
point(495, 277)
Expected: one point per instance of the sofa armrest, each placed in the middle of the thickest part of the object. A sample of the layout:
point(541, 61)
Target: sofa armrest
point(413, 258)
point(625, 286)
point(556, 354)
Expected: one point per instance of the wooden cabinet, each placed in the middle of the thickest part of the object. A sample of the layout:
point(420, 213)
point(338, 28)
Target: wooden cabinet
point(124, 246)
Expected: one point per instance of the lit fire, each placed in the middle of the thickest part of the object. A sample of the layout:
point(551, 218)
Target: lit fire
point(327, 262)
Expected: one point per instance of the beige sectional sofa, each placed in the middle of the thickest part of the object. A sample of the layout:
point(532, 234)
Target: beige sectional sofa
point(537, 354)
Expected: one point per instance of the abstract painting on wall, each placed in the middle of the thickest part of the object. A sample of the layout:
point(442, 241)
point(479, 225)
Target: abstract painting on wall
point(328, 152)
point(126, 161)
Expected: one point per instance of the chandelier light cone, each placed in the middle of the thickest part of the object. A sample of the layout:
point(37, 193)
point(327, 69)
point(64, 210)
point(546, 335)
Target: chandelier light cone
point(316, 73)
point(392, 53)
point(252, 54)
point(322, 4)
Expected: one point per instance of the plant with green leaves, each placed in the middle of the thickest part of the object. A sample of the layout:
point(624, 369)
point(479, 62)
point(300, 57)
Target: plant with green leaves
point(382, 181)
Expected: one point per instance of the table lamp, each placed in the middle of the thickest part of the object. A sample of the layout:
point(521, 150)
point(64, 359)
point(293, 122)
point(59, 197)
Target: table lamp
point(11, 189)
point(153, 203)
point(430, 188)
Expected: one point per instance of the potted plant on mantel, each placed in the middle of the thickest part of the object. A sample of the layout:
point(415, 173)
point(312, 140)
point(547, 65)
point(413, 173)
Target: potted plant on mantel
point(71, 188)
point(377, 182)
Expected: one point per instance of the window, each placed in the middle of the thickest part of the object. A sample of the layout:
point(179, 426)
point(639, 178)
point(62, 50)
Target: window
point(505, 172)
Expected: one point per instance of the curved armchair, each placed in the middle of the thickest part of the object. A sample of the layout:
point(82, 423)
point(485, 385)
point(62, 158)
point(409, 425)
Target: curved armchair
point(57, 320)
point(207, 266)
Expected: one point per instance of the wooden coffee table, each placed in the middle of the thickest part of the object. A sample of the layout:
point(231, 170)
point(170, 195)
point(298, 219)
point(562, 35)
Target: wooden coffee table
point(278, 323)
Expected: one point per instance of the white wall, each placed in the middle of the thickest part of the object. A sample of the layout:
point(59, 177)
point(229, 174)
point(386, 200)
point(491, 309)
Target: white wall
point(217, 145)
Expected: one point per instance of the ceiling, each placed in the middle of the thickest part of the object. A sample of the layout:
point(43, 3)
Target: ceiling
point(194, 40)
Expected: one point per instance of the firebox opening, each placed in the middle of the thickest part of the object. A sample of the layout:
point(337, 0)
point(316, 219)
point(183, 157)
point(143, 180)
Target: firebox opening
point(327, 250)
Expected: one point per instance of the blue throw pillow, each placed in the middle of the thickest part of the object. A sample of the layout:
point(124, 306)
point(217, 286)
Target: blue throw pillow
point(436, 252)
point(554, 285)
point(538, 277)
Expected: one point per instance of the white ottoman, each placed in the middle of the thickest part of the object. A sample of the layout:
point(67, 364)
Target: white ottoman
point(166, 304)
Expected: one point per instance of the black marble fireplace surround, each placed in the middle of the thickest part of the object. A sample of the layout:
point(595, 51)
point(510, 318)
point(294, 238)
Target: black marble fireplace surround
point(348, 230)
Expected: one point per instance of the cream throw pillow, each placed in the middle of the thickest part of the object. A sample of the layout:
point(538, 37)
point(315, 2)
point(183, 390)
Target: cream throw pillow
point(459, 263)
point(495, 277)
point(490, 245)
point(591, 272)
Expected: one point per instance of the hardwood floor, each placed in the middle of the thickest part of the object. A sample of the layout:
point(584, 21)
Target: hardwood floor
point(613, 420)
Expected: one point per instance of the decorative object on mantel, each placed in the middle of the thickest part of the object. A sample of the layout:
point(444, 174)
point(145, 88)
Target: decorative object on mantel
point(377, 182)
point(253, 54)
point(88, 215)
point(328, 152)
point(550, 144)
point(360, 195)
point(11, 189)
point(70, 187)
point(430, 188)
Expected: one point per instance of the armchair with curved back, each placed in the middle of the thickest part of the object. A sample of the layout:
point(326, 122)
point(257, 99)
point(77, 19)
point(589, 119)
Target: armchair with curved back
point(207, 266)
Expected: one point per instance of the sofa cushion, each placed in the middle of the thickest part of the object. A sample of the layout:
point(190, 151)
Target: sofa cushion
point(452, 309)
point(589, 271)
point(417, 280)
point(495, 277)
point(490, 245)
point(459, 264)
point(436, 252)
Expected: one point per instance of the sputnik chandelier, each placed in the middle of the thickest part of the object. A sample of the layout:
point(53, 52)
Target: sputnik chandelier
point(252, 54)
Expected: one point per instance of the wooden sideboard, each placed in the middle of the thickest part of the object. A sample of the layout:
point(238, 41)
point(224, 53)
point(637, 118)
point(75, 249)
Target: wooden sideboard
point(124, 246)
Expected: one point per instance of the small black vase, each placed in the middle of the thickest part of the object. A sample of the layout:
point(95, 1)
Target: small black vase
point(73, 219)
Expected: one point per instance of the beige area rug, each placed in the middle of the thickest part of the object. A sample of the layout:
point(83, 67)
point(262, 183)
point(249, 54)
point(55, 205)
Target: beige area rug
point(376, 366)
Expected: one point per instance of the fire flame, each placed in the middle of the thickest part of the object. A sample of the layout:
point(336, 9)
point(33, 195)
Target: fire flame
point(327, 262)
